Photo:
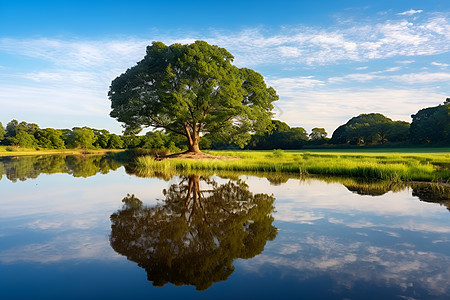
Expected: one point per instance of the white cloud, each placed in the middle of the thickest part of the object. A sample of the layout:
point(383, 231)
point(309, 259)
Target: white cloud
point(424, 77)
point(66, 100)
point(410, 12)
point(360, 77)
point(437, 25)
point(299, 82)
point(78, 54)
point(252, 46)
point(62, 248)
point(330, 107)
point(66, 77)
point(316, 46)
point(438, 64)
point(392, 69)
point(76, 74)
point(408, 78)
point(290, 51)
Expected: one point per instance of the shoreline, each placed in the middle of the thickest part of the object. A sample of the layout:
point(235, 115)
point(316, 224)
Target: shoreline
point(57, 152)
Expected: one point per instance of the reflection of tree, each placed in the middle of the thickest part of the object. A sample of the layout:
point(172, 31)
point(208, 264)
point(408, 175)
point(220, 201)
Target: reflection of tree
point(196, 234)
point(85, 166)
point(432, 193)
point(377, 188)
point(23, 168)
point(425, 191)
point(366, 187)
point(277, 178)
point(2, 169)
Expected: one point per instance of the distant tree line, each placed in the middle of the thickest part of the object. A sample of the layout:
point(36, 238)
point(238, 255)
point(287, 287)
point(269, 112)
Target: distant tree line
point(430, 126)
point(29, 135)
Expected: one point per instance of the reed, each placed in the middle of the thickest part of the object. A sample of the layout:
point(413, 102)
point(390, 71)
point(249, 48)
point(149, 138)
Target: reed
point(386, 166)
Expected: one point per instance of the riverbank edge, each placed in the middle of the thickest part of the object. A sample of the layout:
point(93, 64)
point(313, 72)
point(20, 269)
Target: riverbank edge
point(58, 152)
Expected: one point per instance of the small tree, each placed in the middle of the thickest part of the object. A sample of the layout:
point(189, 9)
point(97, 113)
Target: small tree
point(11, 128)
point(50, 138)
point(23, 139)
point(317, 134)
point(101, 138)
point(115, 142)
point(192, 90)
point(2, 132)
point(82, 138)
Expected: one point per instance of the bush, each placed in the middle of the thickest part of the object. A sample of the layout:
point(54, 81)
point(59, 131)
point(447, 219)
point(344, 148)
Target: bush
point(278, 153)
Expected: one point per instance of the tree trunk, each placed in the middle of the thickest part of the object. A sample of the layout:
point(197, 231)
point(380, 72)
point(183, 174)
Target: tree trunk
point(193, 147)
point(193, 139)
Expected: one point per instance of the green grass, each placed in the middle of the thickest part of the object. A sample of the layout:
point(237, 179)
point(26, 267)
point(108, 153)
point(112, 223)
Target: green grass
point(17, 151)
point(397, 166)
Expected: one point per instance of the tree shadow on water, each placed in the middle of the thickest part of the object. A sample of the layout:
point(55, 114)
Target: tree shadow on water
point(193, 237)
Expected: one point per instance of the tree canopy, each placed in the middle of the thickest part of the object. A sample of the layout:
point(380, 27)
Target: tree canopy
point(317, 134)
point(2, 131)
point(431, 125)
point(280, 135)
point(373, 128)
point(191, 90)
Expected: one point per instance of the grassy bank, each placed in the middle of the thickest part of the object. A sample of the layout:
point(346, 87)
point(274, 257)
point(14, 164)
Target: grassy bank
point(17, 151)
point(370, 165)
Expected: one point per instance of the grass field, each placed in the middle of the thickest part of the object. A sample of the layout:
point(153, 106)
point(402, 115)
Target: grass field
point(16, 151)
point(405, 165)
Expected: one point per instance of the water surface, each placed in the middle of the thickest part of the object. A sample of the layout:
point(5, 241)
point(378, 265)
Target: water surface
point(83, 227)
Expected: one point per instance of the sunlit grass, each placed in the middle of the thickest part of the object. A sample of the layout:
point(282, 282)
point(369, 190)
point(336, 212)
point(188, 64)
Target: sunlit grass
point(18, 151)
point(386, 166)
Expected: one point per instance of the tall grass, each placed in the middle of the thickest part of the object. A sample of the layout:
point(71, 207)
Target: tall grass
point(386, 166)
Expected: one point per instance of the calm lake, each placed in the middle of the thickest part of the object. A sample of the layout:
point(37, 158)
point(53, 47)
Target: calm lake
point(87, 228)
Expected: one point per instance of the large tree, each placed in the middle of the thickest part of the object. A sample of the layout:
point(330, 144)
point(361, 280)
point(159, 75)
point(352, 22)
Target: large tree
point(431, 125)
point(372, 129)
point(191, 90)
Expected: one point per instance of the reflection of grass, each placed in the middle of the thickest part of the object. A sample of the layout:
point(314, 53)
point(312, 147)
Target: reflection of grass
point(388, 166)
point(367, 186)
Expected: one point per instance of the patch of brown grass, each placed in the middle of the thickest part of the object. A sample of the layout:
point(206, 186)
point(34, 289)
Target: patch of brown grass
point(195, 155)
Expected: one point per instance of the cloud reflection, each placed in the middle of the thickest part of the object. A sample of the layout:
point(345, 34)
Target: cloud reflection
point(349, 263)
point(309, 201)
point(76, 246)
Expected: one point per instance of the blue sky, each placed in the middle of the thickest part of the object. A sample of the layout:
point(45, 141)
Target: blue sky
point(328, 60)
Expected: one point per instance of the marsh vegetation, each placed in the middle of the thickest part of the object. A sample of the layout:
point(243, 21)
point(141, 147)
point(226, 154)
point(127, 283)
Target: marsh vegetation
point(386, 166)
